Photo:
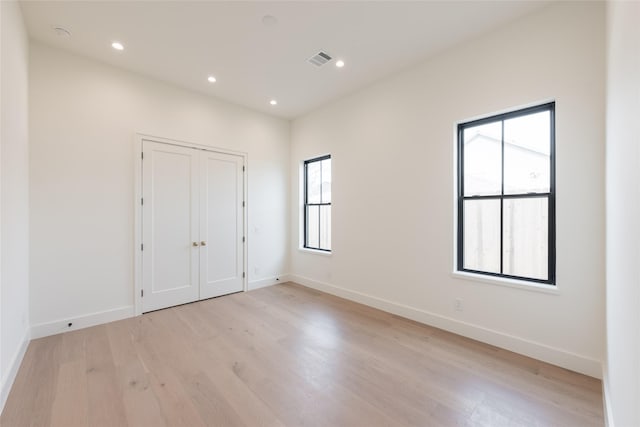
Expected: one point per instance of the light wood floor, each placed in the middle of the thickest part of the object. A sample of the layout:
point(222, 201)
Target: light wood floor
point(288, 355)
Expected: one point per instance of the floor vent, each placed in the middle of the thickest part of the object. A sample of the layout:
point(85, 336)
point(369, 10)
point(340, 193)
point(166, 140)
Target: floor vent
point(320, 58)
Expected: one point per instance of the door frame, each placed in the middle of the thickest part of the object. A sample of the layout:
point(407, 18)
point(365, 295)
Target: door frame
point(137, 207)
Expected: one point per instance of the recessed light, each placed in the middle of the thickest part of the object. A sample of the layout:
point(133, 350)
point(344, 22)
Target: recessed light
point(211, 79)
point(117, 46)
point(340, 63)
point(273, 102)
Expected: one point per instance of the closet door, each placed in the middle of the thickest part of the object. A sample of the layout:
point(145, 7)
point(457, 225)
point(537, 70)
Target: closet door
point(170, 218)
point(221, 224)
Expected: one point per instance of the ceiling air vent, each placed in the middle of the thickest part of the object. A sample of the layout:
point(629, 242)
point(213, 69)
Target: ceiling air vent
point(320, 58)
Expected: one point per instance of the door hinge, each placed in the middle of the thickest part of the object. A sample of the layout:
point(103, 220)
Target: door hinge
point(142, 156)
point(243, 274)
point(243, 203)
point(142, 201)
point(242, 239)
point(242, 168)
point(141, 247)
point(141, 292)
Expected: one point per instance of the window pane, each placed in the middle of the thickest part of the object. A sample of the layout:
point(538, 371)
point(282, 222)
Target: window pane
point(482, 235)
point(527, 148)
point(313, 182)
point(483, 159)
point(313, 221)
point(326, 181)
point(325, 227)
point(526, 237)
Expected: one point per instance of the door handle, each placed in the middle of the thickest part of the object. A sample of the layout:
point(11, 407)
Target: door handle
point(195, 244)
point(203, 243)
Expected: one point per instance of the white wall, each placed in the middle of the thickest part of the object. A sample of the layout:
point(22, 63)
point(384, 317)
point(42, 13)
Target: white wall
point(83, 119)
point(622, 374)
point(14, 200)
point(393, 193)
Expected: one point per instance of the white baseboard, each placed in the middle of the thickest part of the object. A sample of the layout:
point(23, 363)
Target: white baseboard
point(606, 398)
point(14, 366)
point(536, 350)
point(269, 281)
point(58, 326)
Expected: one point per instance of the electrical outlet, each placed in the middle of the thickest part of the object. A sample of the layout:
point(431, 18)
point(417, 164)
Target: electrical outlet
point(457, 304)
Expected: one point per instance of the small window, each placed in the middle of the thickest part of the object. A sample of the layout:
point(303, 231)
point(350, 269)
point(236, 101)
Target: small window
point(317, 203)
point(506, 195)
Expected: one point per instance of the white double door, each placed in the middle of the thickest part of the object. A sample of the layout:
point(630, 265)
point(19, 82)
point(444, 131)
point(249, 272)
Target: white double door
point(192, 224)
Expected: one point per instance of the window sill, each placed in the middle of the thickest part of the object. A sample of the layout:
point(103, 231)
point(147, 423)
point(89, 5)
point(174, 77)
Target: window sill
point(510, 283)
point(314, 251)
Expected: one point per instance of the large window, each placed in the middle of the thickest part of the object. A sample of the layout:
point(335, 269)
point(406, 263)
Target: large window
point(317, 203)
point(506, 195)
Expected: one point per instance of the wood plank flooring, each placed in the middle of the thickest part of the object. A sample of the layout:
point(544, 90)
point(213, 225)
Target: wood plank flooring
point(288, 356)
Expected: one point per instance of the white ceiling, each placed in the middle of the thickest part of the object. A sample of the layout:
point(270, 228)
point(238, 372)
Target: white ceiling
point(183, 42)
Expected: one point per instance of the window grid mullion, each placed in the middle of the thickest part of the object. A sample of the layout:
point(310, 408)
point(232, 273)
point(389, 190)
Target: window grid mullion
point(320, 208)
point(502, 198)
point(508, 196)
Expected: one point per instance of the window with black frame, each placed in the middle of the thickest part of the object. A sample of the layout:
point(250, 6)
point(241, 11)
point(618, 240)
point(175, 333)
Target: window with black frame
point(506, 195)
point(317, 203)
